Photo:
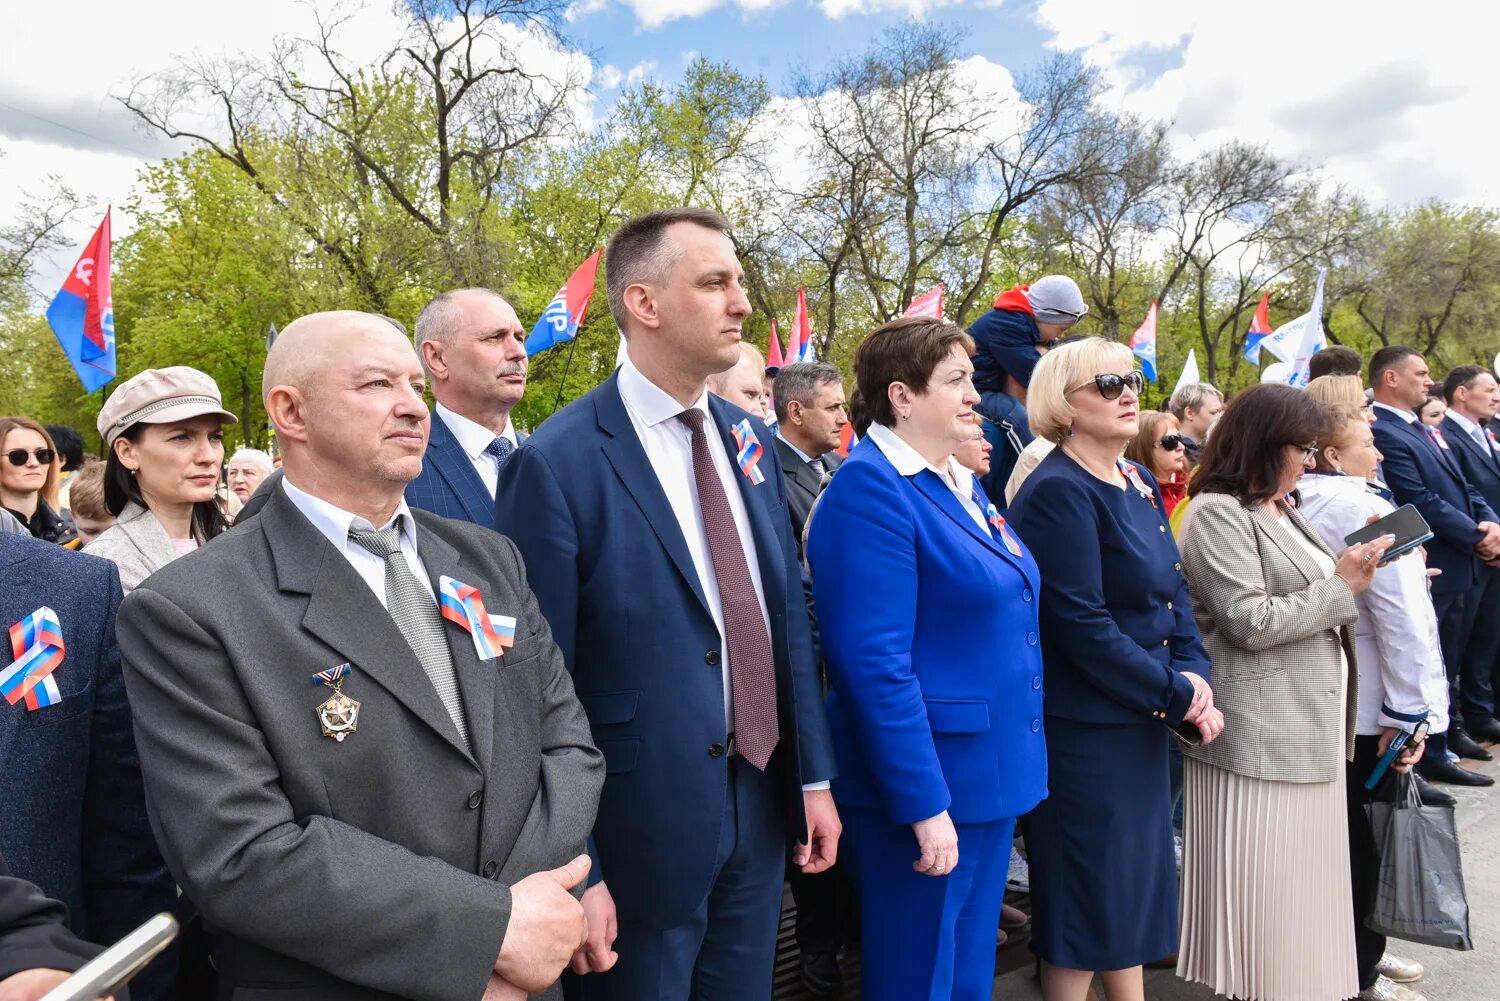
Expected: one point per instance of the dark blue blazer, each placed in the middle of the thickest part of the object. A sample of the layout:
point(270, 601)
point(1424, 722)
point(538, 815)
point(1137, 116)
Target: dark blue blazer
point(448, 484)
point(1432, 481)
point(616, 583)
point(929, 631)
point(1117, 624)
point(1481, 467)
point(72, 810)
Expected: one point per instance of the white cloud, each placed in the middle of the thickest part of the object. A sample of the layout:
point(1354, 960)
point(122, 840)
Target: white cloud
point(836, 9)
point(65, 121)
point(1401, 115)
point(611, 76)
point(583, 8)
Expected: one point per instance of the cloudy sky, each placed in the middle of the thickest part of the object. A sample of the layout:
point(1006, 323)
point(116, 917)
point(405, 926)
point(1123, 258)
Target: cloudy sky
point(1396, 100)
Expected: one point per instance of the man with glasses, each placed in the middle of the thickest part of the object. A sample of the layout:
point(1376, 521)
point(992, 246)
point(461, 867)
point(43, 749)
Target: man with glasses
point(1024, 324)
point(1421, 470)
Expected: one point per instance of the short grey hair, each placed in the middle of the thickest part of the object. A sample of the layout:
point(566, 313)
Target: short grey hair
point(639, 253)
point(440, 318)
point(1192, 396)
point(255, 455)
point(801, 382)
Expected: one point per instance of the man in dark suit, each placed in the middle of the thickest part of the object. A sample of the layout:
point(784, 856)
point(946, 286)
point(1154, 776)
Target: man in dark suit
point(1421, 470)
point(810, 418)
point(653, 518)
point(37, 951)
point(474, 352)
point(363, 800)
point(74, 816)
point(1473, 397)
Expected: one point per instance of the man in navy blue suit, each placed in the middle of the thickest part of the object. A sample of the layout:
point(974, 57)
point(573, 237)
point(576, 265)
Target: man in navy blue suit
point(474, 352)
point(74, 815)
point(1473, 397)
point(1421, 470)
point(653, 520)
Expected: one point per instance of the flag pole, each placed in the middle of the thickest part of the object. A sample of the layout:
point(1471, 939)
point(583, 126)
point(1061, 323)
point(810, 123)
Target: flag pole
point(567, 365)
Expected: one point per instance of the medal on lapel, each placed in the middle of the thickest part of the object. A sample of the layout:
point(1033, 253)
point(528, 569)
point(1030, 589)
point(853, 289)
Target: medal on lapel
point(462, 603)
point(994, 517)
point(339, 715)
point(36, 643)
point(749, 451)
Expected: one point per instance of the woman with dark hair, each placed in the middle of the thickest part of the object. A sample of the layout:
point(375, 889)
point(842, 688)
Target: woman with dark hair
point(1125, 666)
point(1160, 447)
point(935, 703)
point(164, 431)
point(1265, 881)
point(28, 474)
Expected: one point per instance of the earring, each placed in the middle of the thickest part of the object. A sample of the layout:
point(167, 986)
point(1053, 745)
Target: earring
point(1068, 431)
point(906, 417)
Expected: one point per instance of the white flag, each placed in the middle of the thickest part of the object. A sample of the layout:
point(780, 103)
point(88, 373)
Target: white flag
point(1313, 340)
point(1189, 371)
point(1297, 340)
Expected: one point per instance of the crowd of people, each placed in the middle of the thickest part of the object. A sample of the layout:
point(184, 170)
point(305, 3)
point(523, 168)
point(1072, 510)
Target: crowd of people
point(429, 707)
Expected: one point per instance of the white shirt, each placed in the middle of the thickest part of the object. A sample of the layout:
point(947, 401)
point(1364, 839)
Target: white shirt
point(958, 478)
point(1397, 653)
point(1474, 430)
point(669, 447)
point(335, 523)
point(474, 438)
point(1405, 415)
point(787, 442)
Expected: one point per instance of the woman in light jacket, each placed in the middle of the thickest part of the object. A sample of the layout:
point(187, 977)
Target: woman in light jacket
point(1265, 881)
point(1402, 680)
point(164, 431)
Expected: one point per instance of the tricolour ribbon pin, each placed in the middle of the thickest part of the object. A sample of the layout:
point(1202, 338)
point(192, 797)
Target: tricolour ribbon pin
point(36, 643)
point(462, 603)
point(750, 451)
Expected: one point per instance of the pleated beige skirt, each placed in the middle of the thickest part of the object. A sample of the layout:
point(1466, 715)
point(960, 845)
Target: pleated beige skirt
point(1267, 911)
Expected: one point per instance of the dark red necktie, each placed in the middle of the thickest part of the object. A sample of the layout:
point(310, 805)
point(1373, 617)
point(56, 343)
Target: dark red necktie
point(752, 671)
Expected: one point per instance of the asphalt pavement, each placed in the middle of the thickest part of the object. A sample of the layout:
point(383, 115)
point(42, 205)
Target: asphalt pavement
point(1450, 976)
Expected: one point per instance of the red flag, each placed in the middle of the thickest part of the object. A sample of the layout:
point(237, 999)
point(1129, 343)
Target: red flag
point(561, 319)
point(802, 332)
point(773, 349)
point(81, 314)
point(930, 304)
point(846, 440)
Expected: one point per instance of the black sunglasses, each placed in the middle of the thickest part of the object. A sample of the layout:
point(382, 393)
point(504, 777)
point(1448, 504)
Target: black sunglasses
point(1110, 385)
point(1173, 442)
point(18, 456)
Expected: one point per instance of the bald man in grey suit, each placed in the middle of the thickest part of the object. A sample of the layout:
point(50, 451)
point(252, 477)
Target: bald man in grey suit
point(409, 824)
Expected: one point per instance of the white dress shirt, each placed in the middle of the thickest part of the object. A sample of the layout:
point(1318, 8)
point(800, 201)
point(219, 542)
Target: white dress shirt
point(787, 442)
point(335, 524)
point(1405, 415)
point(669, 447)
point(1474, 430)
point(958, 478)
point(474, 438)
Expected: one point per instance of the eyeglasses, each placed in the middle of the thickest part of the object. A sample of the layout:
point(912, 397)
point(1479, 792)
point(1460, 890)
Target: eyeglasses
point(1110, 385)
point(18, 456)
point(1309, 452)
point(1173, 442)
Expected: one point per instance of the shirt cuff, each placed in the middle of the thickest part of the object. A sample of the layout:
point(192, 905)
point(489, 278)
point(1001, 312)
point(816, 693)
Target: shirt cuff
point(817, 786)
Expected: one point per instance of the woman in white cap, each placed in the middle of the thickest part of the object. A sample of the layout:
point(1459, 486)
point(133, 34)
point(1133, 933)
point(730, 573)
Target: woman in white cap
point(164, 429)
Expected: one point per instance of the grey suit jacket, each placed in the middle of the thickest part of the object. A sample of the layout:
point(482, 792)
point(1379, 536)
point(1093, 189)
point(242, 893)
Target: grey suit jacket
point(803, 484)
point(1274, 626)
point(137, 544)
point(377, 867)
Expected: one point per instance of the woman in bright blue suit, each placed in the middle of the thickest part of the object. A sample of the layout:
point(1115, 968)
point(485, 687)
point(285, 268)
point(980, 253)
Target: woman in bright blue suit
point(927, 605)
point(1124, 663)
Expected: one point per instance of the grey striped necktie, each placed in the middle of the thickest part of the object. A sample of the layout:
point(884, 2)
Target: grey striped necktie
point(417, 617)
